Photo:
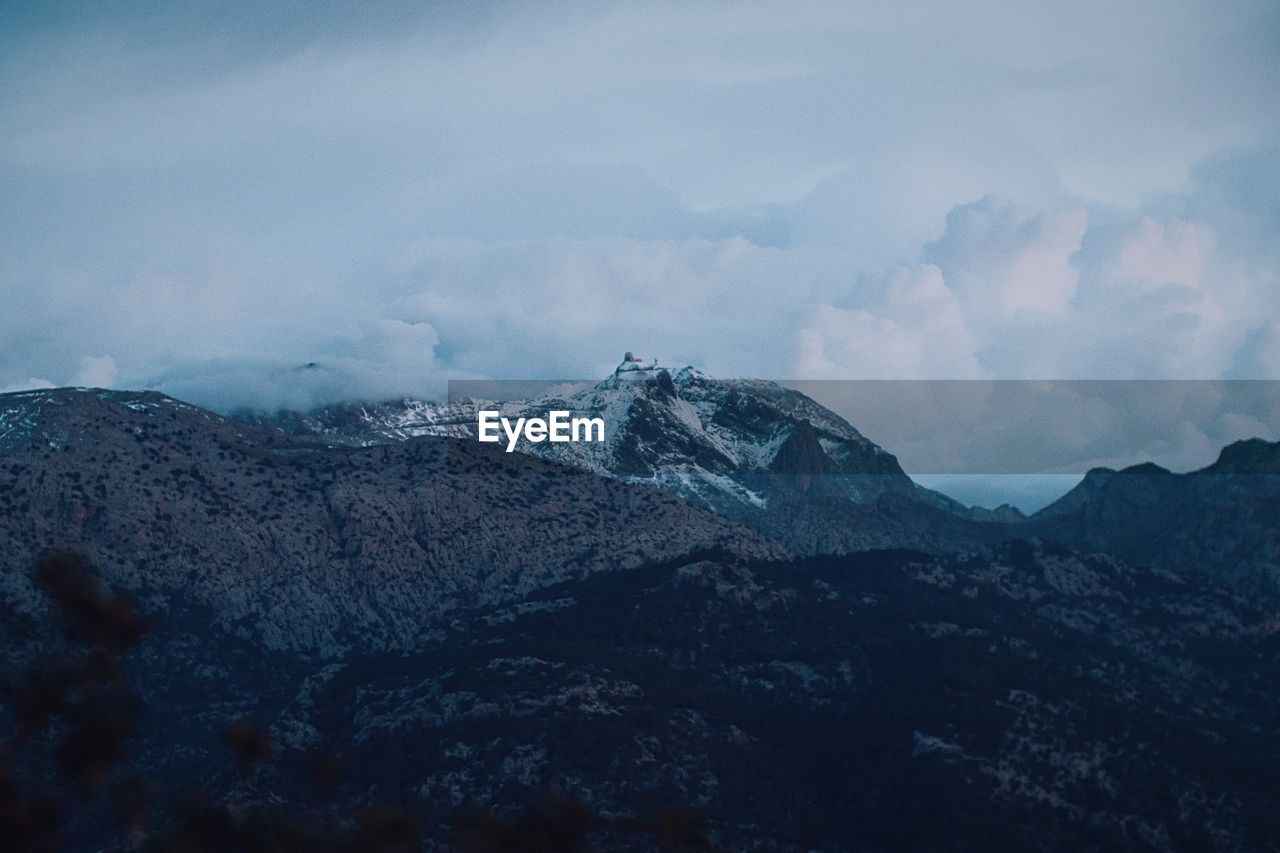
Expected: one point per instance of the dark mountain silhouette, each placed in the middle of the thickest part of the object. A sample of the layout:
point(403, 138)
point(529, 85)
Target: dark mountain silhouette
point(1222, 520)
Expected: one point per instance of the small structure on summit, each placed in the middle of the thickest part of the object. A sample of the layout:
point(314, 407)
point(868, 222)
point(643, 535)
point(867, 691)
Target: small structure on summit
point(634, 367)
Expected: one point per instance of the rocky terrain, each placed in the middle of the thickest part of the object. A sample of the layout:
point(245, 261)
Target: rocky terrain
point(302, 546)
point(774, 460)
point(1222, 520)
point(751, 450)
point(452, 647)
point(1025, 698)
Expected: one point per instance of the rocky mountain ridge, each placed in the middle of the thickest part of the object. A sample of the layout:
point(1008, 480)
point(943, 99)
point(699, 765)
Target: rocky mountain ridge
point(463, 628)
point(304, 546)
point(1222, 520)
point(751, 450)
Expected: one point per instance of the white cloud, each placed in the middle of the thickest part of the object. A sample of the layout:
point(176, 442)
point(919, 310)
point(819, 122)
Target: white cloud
point(1164, 253)
point(532, 190)
point(379, 359)
point(97, 371)
point(914, 327)
point(32, 384)
point(1063, 292)
point(1005, 262)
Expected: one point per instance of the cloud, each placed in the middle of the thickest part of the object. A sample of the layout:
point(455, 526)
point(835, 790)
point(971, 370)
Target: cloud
point(913, 327)
point(1159, 254)
point(32, 384)
point(561, 308)
point(97, 371)
point(1007, 263)
point(361, 205)
point(1259, 353)
point(382, 359)
point(1087, 291)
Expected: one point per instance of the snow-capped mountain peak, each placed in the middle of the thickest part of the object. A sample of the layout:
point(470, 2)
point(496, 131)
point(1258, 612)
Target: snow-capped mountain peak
point(735, 446)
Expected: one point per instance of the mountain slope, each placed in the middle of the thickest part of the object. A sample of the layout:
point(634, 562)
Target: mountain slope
point(1223, 519)
point(1025, 699)
point(459, 627)
point(750, 450)
point(1029, 699)
point(304, 546)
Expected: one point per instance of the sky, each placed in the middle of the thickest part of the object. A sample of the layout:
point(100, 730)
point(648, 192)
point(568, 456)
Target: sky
point(310, 202)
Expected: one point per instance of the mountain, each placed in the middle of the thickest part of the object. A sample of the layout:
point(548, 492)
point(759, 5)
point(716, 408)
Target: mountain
point(750, 450)
point(299, 545)
point(681, 430)
point(1222, 519)
point(1251, 456)
point(1027, 698)
point(465, 633)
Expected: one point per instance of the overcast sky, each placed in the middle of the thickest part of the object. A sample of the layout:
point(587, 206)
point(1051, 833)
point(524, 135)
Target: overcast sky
point(204, 198)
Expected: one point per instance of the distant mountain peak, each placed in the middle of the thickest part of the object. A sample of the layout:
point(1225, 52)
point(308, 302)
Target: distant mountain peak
point(1250, 456)
point(689, 373)
point(1146, 469)
point(736, 446)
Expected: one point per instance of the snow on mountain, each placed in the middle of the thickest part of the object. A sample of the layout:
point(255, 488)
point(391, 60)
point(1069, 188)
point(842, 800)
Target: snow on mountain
point(683, 430)
point(40, 416)
point(297, 545)
point(741, 447)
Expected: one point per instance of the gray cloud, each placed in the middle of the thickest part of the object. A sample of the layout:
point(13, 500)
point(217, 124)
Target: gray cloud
point(207, 202)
